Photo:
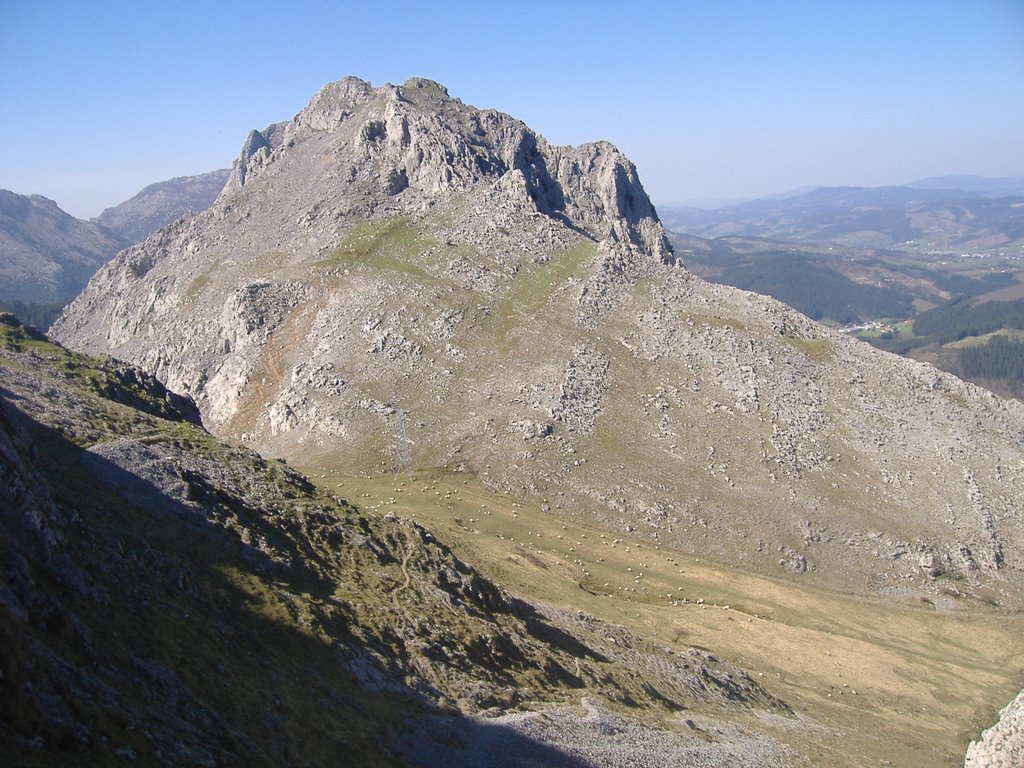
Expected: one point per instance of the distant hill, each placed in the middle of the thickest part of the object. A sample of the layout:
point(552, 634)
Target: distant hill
point(46, 254)
point(979, 185)
point(812, 282)
point(980, 339)
point(903, 261)
point(160, 204)
point(839, 284)
point(916, 218)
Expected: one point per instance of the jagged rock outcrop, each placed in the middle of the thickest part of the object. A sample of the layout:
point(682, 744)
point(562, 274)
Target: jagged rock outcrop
point(392, 250)
point(1002, 745)
point(417, 140)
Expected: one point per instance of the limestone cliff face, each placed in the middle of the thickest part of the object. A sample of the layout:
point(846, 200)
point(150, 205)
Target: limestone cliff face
point(394, 250)
point(1002, 745)
point(407, 152)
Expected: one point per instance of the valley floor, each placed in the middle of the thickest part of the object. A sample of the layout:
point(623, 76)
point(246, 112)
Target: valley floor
point(905, 681)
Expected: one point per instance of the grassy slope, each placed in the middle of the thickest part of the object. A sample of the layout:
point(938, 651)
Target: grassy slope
point(251, 637)
point(927, 678)
point(255, 647)
point(907, 682)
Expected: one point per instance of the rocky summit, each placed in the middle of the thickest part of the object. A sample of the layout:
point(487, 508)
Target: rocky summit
point(394, 278)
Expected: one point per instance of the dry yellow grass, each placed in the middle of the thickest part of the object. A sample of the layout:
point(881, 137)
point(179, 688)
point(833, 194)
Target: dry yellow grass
point(873, 680)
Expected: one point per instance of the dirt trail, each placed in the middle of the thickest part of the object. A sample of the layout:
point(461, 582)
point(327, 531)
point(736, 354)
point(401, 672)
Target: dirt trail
point(406, 578)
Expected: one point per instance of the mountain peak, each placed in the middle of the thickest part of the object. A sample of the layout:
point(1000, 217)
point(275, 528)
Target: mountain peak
point(411, 146)
point(334, 102)
point(382, 253)
point(420, 90)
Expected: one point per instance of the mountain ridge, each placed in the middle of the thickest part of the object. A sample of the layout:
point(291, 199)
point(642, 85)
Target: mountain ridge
point(392, 255)
point(921, 217)
point(47, 255)
point(988, 186)
point(161, 203)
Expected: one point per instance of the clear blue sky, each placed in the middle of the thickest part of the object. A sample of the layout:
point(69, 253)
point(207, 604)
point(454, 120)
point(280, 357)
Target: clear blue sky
point(710, 98)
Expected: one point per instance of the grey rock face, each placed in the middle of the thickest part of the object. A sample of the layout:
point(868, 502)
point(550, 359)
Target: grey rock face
point(1002, 745)
point(26, 509)
point(393, 247)
point(417, 140)
point(562, 737)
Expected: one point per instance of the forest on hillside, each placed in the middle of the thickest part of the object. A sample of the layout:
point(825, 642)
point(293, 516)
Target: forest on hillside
point(955, 321)
point(1001, 358)
point(818, 291)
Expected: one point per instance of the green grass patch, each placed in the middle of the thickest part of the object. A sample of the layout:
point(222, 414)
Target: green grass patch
point(392, 243)
point(535, 284)
point(818, 350)
point(199, 283)
point(21, 338)
point(980, 341)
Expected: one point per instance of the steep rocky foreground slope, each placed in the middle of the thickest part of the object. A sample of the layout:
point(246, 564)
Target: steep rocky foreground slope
point(396, 277)
point(173, 599)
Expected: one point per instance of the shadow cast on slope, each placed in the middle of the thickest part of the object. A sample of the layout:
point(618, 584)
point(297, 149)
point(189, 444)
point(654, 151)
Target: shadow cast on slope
point(172, 647)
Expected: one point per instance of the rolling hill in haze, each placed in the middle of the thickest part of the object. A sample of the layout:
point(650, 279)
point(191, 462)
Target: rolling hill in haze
point(840, 285)
point(879, 259)
point(396, 281)
point(982, 186)
point(47, 256)
point(869, 217)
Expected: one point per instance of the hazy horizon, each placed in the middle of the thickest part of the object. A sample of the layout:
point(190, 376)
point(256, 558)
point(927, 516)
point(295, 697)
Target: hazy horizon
point(711, 101)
